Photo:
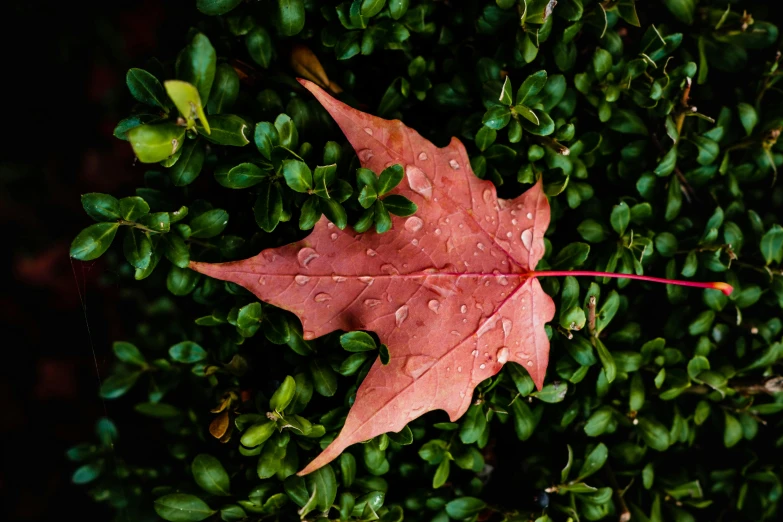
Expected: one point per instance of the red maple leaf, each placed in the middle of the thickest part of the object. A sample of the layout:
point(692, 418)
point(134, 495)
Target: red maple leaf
point(451, 291)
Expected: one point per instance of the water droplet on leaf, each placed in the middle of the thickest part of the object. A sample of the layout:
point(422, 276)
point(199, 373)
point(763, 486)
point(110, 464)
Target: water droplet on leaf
point(306, 255)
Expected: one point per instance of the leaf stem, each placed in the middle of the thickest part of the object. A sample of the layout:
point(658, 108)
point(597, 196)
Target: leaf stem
point(723, 287)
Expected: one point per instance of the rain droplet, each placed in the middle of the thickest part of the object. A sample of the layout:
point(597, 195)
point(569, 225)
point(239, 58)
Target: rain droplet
point(463, 308)
point(503, 355)
point(262, 281)
point(368, 130)
point(487, 196)
point(306, 255)
point(481, 246)
point(415, 242)
point(523, 355)
point(462, 394)
point(459, 369)
point(474, 353)
point(482, 366)
point(301, 280)
point(330, 225)
point(338, 279)
point(487, 326)
point(419, 182)
point(400, 315)
point(414, 223)
point(530, 363)
point(453, 164)
point(437, 231)
point(307, 335)
point(320, 298)
point(507, 324)
point(527, 238)
point(372, 253)
point(367, 280)
point(454, 332)
point(422, 156)
point(514, 221)
point(416, 365)
point(389, 270)
point(530, 215)
point(508, 234)
point(365, 155)
point(334, 236)
point(433, 305)
point(372, 303)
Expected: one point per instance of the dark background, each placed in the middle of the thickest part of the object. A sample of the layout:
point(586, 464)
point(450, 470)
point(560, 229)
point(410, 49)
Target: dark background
point(63, 90)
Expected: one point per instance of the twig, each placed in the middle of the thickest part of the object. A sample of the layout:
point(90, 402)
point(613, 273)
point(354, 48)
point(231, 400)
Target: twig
point(591, 316)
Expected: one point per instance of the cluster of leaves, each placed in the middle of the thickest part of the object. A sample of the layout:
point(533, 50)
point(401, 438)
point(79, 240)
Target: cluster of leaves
point(641, 383)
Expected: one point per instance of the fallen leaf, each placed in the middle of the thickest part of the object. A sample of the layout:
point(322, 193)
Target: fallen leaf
point(450, 290)
point(447, 290)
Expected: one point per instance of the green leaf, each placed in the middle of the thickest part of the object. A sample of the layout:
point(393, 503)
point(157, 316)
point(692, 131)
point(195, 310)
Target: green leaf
point(290, 17)
point(216, 7)
point(181, 281)
point(101, 207)
point(93, 241)
point(602, 63)
point(571, 256)
point(186, 98)
point(196, 65)
point(654, 434)
point(372, 7)
point(594, 461)
point(266, 138)
point(209, 224)
point(732, 432)
point(324, 378)
point(473, 424)
point(497, 117)
point(389, 178)
point(227, 129)
point(441, 473)
point(188, 166)
point(118, 384)
point(146, 88)
point(323, 483)
point(259, 46)
point(283, 395)
point(323, 176)
point(128, 353)
point(400, 205)
point(464, 507)
point(87, 473)
point(225, 89)
point(528, 114)
point(667, 163)
point(176, 250)
point(598, 421)
point(187, 352)
point(748, 117)
point(771, 244)
point(268, 208)
point(181, 507)
point(137, 248)
point(627, 122)
point(158, 410)
point(335, 212)
point(249, 315)
point(210, 475)
point(397, 8)
point(367, 196)
point(257, 434)
point(683, 10)
point(607, 361)
point(298, 175)
point(242, 176)
point(357, 342)
point(621, 216)
point(156, 142)
point(531, 87)
point(551, 393)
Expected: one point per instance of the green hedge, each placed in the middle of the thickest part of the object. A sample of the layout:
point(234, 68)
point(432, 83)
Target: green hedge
point(655, 132)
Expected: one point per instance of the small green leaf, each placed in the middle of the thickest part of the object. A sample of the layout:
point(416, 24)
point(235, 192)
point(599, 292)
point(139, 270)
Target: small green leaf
point(225, 89)
point(298, 175)
point(268, 208)
point(389, 178)
point(186, 98)
point(196, 65)
point(290, 16)
point(324, 378)
point(283, 395)
point(621, 216)
point(118, 384)
point(400, 205)
point(227, 129)
point(216, 7)
point(473, 424)
point(531, 87)
point(571, 256)
point(187, 352)
point(772, 244)
point(209, 224)
point(465, 507)
point(93, 241)
point(156, 142)
point(748, 117)
point(128, 353)
point(367, 196)
point(210, 475)
point(181, 507)
point(101, 207)
point(257, 434)
point(146, 88)
point(242, 176)
point(259, 46)
point(594, 461)
point(357, 342)
point(188, 166)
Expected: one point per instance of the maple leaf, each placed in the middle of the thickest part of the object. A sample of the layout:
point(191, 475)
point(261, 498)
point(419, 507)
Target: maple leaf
point(451, 291)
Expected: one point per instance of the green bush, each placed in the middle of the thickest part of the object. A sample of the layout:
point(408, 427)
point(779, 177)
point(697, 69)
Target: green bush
point(654, 128)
